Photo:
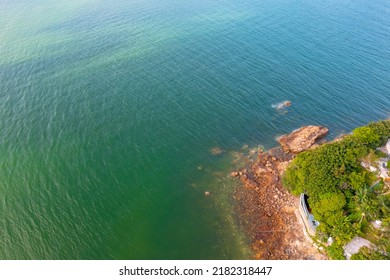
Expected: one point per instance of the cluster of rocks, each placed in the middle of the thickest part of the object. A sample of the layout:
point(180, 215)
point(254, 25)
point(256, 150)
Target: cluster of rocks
point(267, 212)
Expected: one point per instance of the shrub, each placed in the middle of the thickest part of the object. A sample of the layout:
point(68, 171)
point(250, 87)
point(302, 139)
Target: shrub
point(367, 136)
point(335, 252)
point(369, 254)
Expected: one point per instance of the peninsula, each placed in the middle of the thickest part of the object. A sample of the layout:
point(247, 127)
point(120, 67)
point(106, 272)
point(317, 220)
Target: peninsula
point(346, 185)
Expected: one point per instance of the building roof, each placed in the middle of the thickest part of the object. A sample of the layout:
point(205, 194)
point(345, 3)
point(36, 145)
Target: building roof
point(354, 246)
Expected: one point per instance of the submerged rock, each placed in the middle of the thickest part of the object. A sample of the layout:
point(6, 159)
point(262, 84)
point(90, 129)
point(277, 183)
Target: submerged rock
point(245, 147)
point(216, 151)
point(279, 154)
point(302, 139)
point(282, 105)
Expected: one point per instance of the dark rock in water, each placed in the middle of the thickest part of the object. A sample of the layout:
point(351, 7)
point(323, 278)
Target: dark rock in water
point(302, 139)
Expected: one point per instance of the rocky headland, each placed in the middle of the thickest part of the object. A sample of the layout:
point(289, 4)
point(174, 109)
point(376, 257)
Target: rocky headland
point(267, 212)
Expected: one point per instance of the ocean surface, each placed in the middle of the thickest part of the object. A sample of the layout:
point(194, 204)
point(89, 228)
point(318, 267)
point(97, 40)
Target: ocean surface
point(109, 109)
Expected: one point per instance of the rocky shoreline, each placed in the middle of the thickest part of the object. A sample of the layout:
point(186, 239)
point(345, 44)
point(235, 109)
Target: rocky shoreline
point(267, 212)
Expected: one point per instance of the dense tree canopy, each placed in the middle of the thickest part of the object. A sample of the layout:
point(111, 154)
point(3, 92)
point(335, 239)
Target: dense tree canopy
point(340, 190)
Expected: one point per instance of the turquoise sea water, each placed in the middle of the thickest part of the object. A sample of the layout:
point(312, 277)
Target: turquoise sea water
point(109, 109)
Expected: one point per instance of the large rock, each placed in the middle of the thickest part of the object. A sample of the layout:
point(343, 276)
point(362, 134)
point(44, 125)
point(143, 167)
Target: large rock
point(302, 139)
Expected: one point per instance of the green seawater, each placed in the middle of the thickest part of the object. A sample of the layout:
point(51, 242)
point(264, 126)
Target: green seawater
point(109, 109)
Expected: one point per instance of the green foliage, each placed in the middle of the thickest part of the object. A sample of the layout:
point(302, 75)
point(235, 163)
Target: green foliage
point(382, 129)
point(380, 154)
point(340, 226)
point(367, 136)
point(369, 254)
point(383, 204)
point(371, 157)
point(366, 204)
point(331, 202)
point(328, 209)
point(326, 169)
point(357, 180)
point(374, 134)
point(383, 243)
point(338, 186)
point(335, 252)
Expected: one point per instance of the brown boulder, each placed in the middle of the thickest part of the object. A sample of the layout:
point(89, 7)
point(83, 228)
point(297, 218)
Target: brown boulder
point(302, 139)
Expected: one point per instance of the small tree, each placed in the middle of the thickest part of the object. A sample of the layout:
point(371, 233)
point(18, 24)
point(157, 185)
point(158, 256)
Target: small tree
point(367, 136)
